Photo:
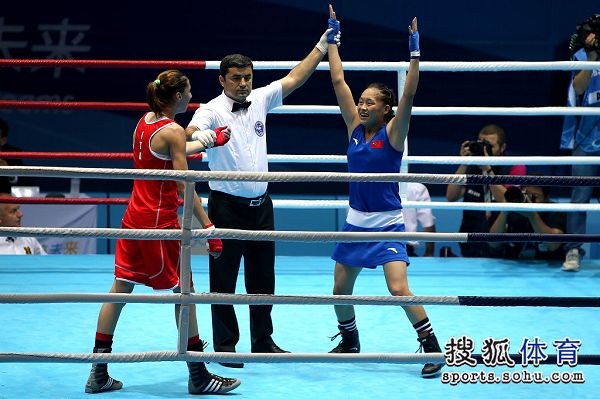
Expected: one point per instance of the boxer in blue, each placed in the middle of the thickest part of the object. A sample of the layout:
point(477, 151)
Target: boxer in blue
point(376, 143)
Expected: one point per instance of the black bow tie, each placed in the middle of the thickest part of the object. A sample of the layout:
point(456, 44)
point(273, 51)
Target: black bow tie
point(238, 106)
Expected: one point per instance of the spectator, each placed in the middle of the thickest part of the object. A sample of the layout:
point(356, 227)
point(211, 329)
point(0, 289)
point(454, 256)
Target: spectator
point(582, 134)
point(413, 217)
point(491, 141)
point(10, 216)
point(6, 182)
point(529, 222)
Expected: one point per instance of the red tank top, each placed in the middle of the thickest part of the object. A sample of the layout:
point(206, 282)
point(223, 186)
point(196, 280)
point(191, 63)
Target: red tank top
point(153, 203)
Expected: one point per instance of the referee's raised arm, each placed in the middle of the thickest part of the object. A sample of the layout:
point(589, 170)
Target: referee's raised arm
point(307, 66)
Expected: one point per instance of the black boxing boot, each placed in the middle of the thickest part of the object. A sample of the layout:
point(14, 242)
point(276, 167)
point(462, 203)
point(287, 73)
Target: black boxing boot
point(349, 343)
point(99, 380)
point(429, 344)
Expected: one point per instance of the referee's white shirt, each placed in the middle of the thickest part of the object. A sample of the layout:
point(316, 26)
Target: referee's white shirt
point(20, 246)
point(247, 149)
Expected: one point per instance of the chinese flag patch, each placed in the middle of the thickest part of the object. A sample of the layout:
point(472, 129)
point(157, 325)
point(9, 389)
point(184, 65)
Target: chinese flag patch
point(377, 144)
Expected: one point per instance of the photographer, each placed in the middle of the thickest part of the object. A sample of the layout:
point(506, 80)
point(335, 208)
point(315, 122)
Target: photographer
point(491, 142)
point(528, 222)
point(581, 134)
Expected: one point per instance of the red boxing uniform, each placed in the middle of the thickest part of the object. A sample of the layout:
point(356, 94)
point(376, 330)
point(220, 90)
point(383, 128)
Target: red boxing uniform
point(153, 205)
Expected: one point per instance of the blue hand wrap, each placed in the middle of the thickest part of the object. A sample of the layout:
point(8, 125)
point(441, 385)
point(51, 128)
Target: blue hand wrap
point(335, 25)
point(413, 45)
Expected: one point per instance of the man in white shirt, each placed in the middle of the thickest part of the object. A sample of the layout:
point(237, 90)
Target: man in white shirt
point(10, 216)
point(245, 205)
point(415, 216)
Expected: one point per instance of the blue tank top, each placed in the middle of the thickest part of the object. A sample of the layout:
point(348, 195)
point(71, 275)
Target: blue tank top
point(375, 156)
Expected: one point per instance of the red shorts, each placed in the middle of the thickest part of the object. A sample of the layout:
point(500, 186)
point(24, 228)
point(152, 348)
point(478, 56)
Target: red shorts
point(154, 263)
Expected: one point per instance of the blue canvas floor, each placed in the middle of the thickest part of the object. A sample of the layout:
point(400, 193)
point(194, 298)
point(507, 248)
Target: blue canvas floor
point(145, 327)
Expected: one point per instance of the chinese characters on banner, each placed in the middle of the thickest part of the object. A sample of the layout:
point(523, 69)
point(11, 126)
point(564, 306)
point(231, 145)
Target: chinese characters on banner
point(57, 41)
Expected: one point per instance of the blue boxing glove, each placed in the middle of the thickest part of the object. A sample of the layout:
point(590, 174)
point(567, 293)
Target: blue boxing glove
point(333, 32)
point(413, 45)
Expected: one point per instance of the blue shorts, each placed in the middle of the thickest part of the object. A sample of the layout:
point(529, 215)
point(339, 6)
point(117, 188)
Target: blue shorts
point(370, 254)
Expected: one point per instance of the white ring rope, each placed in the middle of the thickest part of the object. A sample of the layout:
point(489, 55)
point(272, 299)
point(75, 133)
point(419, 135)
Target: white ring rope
point(436, 66)
point(322, 204)
point(200, 234)
point(171, 356)
point(419, 111)
point(442, 160)
point(192, 175)
point(229, 299)
point(471, 206)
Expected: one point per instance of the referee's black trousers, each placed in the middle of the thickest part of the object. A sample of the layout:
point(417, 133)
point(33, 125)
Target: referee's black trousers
point(227, 211)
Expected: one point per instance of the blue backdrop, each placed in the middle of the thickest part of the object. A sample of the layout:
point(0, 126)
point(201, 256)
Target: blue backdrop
point(285, 30)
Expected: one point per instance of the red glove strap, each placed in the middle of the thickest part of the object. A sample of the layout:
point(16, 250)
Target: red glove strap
point(215, 245)
point(221, 138)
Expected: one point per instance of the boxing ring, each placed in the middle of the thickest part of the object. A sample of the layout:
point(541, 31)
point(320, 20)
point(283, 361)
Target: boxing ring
point(49, 305)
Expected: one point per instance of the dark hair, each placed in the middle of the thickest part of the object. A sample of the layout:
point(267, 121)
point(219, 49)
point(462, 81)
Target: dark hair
point(387, 96)
point(494, 129)
point(234, 61)
point(160, 92)
point(3, 128)
point(545, 189)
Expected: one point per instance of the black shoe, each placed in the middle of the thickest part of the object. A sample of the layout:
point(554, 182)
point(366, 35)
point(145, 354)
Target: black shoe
point(267, 346)
point(232, 365)
point(229, 364)
point(99, 380)
point(349, 343)
point(429, 344)
point(212, 384)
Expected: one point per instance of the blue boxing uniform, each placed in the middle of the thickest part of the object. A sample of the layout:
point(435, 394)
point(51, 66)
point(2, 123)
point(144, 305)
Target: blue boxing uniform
point(373, 206)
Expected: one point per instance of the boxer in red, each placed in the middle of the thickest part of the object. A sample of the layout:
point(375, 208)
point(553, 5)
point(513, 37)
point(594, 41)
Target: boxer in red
point(159, 143)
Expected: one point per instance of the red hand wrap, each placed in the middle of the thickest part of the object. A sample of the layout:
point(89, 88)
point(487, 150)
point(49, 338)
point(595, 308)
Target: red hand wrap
point(214, 245)
point(221, 138)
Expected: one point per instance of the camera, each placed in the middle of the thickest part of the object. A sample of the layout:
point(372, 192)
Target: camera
point(515, 194)
point(476, 147)
point(590, 25)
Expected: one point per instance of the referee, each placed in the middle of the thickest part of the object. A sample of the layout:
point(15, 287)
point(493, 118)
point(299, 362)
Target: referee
point(245, 205)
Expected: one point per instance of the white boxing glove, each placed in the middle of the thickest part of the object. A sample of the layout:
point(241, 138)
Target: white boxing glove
point(322, 44)
point(205, 137)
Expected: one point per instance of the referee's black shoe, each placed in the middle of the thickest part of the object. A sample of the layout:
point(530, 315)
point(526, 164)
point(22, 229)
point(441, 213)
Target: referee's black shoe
point(349, 343)
point(267, 345)
point(429, 344)
point(229, 364)
point(232, 365)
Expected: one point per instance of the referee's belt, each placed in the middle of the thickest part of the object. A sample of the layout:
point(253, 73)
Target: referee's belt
point(258, 201)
